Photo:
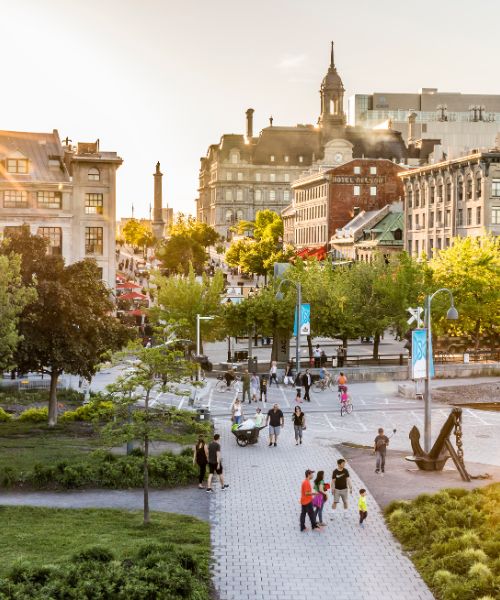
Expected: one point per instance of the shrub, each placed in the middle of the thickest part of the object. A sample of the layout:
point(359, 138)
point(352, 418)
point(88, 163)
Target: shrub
point(95, 410)
point(35, 415)
point(95, 554)
point(480, 571)
point(4, 416)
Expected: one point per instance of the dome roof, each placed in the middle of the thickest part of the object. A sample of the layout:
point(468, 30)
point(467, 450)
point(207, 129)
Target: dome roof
point(332, 78)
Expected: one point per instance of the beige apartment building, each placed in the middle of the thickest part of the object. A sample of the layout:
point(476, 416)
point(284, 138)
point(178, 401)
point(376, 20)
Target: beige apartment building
point(66, 194)
point(454, 198)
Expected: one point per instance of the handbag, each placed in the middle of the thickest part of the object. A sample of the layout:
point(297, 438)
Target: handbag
point(318, 500)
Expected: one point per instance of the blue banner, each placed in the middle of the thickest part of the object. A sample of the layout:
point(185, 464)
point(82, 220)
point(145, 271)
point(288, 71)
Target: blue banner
point(419, 354)
point(305, 320)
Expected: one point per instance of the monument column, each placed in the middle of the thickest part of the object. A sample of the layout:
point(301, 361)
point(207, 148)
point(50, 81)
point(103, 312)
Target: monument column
point(158, 223)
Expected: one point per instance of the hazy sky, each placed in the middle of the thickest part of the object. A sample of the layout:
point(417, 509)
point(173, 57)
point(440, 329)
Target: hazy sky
point(163, 79)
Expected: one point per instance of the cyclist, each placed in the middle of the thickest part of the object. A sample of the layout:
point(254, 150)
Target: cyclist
point(342, 382)
point(229, 376)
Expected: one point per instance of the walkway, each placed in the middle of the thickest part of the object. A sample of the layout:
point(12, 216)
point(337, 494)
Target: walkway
point(259, 551)
point(186, 501)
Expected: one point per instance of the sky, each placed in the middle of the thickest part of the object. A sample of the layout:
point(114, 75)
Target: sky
point(160, 80)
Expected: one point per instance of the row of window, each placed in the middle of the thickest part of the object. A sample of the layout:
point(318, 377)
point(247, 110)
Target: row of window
point(417, 247)
point(311, 235)
point(258, 177)
point(319, 191)
point(235, 158)
point(94, 203)
point(312, 212)
point(93, 238)
point(20, 166)
point(357, 170)
point(438, 220)
point(441, 192)
point(259, 195)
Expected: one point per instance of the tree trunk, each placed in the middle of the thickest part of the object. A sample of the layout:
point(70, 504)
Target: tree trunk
point(146, 465)
point(376, 343)
point(477, 335)
point(54, 376)
point(310, 347)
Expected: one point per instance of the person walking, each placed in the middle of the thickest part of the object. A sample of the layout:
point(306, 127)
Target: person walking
point(341, 482)
point(299, 424)
point(306, 382)
point(237, 412)
point(273, 373)
point(306, 499)
point(200, 458)
point(259, 418)
point(288, 377)
point(246, 387)
point(215, 464)
point(320, 498)
point(363, 509)
point(263, 388)
point(380, 447)
point(276, 421)
point(254, 386)
point(317, 356)
point(298, 387)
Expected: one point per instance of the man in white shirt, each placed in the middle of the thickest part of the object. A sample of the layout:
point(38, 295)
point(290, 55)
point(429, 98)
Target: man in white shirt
point(317, 356)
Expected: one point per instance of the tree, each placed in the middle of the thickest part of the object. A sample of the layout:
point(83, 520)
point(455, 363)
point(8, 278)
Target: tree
point(188, 226)
point(153, 369)
point(258, 254)
point(470, 268)
point(180, 298)
point(14, 296)
point(138, 235)
point(68, 326)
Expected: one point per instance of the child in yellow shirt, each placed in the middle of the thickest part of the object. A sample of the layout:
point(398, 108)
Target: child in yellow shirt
point(363, 509)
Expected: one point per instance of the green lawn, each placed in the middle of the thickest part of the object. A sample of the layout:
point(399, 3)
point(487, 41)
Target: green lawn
point(454, 540)
point(43, 536)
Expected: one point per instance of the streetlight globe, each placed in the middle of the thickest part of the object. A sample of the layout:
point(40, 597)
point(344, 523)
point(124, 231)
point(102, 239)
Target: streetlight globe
point(452, 314)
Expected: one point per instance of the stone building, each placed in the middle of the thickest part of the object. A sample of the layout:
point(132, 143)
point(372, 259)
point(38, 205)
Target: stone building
point(454, 198)
point(245, 173)
point(66, 194)
point(325, 201)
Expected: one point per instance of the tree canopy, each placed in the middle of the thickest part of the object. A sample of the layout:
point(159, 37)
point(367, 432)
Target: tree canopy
point(138, 234)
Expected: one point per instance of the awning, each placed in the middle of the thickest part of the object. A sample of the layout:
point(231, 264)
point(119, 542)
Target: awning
point(132, 296)
point(128, 285)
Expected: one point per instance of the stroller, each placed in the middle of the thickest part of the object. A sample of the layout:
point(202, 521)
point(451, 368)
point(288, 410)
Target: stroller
point(247, 436)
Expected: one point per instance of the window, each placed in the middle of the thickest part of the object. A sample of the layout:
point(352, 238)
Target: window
point(460, 217)
point(431, 248)
point(229, 216)
point(469, 216)
point(93, 204)
point(417, 197)
point(239, 215)
point(286, 196)
point(239, 195)
point(287, 177)
point(416, 247)
point(495, 215)
point(257, 177)
point(258, 194)
point(417, 221)
point(495, 187)
point(439, 218)
point(287, 158)
point(478, 215)
point(357, 170)
point(373, 170)
point(54, 237)
point(15, 199)
point(432, 193)
point(460, 190)
point(431, 219)
point(49, 199)
point(272, 195)
point(9, 230)
point(240, 176)
point(448, 192)
point(439, 243)
point(94, 175)
point(93, 240)
point(229, 176)
point(301, 159)
point(373, 190)
point(409, 221)
point(271, 158)
point(398, 234)
point(17, 165)
point(410, 198)
point(272, 177)
point(356, 190)
point(234, 158)
point(468, 189)
point(447, 218)
point(478, 187)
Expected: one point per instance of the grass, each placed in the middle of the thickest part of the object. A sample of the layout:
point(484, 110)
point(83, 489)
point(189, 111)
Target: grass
point(454, 540)
point(43, 536)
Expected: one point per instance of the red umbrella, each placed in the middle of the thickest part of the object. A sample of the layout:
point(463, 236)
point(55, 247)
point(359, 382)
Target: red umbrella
point(132, 296)
point(137, 312)
point(121, 278)
point(128, 285)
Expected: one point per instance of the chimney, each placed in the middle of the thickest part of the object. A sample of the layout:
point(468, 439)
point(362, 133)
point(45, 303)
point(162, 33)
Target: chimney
point(249, 114)
point(412, 119)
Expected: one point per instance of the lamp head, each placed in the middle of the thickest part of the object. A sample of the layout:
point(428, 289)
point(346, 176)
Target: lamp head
point(279, 295)
point(452, 314)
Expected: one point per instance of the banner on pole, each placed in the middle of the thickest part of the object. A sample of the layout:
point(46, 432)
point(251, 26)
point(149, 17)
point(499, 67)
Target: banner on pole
point(419, 354)
point(305, 320)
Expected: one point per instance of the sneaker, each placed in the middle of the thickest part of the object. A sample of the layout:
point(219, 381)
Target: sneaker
point(225, 486)
point(305, 529)
point(275, 444)
point(209, 491)
point(201, 487)
point(301, 441)
point(270, 444)
point(377, 471)
point(296, 443)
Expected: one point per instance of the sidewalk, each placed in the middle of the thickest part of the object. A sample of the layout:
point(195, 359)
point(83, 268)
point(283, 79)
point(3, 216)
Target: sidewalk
point(259, 551)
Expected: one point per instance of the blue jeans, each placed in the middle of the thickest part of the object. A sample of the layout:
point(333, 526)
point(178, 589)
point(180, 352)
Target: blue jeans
point(318, 513)
point(237, 420)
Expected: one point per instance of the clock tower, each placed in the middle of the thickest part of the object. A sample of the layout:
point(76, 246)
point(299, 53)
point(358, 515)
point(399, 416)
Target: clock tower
point(332, 119)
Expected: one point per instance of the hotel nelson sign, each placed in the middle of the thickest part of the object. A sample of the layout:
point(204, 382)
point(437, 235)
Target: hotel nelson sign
point(357, 179)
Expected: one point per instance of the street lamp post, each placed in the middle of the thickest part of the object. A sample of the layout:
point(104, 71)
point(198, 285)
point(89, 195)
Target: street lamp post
point(452, 314)
point(198, 341)
point(279, 296)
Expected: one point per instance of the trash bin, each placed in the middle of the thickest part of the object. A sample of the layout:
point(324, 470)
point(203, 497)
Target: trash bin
point(466, 358)
point(252, 365)
point(202, 414)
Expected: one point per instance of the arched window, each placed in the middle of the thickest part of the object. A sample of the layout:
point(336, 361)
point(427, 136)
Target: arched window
point(398, 234)
point(229, 216)
point(94, 175)
point(239, 215)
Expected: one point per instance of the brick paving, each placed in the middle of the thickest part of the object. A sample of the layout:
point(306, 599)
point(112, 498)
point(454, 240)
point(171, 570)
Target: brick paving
point(259, 551)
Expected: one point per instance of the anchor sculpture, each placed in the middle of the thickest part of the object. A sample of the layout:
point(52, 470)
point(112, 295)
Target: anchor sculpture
point(442, 449)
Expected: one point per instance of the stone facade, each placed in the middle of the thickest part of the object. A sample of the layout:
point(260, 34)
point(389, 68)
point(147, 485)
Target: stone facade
point(454, 198)
point(67, 194)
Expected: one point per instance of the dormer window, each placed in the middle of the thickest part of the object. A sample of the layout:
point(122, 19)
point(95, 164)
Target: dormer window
point(287, 158)
point(301, 159)
point(94, 175)
point(271, 158)
point(17, 165)
point(234, 158)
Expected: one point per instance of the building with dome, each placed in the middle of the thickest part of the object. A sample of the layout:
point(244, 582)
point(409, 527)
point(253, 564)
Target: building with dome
point(245, 173)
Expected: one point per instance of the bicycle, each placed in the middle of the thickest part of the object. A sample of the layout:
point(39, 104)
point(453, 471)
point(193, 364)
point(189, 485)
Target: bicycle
point(221, 385)
point(346, 406)
point(322, 384)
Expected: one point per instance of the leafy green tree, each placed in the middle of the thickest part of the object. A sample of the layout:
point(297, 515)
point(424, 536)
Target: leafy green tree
point(188, 226)
point(68, 325)
point(153, 370)
point(14, 296)
point(470, 268)
point(180, 298)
